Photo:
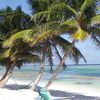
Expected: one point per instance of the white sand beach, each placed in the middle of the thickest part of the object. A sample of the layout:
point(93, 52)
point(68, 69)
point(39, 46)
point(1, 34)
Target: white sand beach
point(58, 92)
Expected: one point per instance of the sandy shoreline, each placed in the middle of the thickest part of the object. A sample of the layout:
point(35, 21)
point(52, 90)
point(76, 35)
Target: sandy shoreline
point(58, 92)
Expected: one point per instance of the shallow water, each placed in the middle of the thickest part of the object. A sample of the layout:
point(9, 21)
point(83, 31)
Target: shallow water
point(76, 75)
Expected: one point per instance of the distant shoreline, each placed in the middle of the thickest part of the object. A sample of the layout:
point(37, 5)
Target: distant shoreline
point(68, 64)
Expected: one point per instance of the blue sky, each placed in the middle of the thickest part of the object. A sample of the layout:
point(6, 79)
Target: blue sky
point(91, 53)
point(14, 4)
point(89, 50)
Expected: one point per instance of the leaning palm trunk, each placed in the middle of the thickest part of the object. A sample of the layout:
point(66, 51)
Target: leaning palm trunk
point(59, 66)
point(63, 65)
point(38, 77)
point(56, 71)
point(6, 77)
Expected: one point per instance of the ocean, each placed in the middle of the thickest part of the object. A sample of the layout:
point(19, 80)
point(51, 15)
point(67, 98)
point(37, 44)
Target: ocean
point(88, 75)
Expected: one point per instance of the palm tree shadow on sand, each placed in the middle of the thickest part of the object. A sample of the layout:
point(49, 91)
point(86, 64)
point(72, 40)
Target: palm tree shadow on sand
point(56, 94)
point(63, 95)
point(16, 87)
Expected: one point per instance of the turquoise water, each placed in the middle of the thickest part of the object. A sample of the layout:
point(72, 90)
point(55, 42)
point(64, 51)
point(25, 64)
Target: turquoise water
point(77, 75)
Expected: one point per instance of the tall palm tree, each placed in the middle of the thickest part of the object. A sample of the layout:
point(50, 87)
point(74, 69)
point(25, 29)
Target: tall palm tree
point(77, 24)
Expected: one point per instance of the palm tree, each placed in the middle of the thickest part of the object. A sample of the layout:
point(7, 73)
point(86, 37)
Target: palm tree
point(78, 25)
point(11, 22)
point(15, 56)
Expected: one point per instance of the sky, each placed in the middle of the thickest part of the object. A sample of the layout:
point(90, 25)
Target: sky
point(91, 52)
point(14, 3)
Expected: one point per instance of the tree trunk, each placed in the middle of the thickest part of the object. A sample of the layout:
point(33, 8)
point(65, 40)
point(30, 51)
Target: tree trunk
point(38, 77)
point(56, 71)
point(6, 77)
point(59, 66)
point(63, 65)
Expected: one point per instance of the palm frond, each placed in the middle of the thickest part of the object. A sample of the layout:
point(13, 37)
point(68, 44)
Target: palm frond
point(40, 16)
point(71, 23)
point(95, 40)
point(2, 37)
point(71, 9)
point(49, 54)
point(19, 35)
point(5, 54)
point(28, 56)
point(47, 26)
point(61, 9)
point(54, 12)
point(38, 5)
point(43, 37)
point(95, 31)
point(86, 4)
point(57, 52)
point(64, 44)
point(95, 20)
point(80, 34)
point(74, 54)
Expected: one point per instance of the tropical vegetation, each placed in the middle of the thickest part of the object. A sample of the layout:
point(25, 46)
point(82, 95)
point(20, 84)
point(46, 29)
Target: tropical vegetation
point(43, 33)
